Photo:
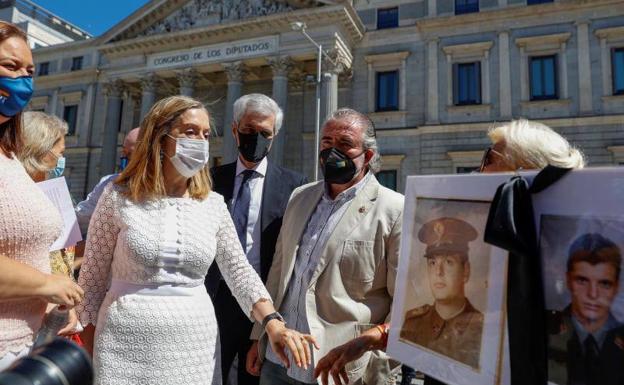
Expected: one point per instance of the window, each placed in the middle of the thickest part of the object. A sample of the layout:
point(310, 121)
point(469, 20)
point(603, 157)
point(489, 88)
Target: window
point(532, 2)
point(70, 115)
point(466, 6)
point(618, 71)
point(387, 178)
point(387, 91)
point(467, 83)
point(76, 63)
point(44, 69)
point(543, 77)
point(387, 18)
point(466, 169)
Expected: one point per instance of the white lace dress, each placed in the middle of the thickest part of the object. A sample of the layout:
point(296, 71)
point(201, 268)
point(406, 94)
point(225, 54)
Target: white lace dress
point(143, 277)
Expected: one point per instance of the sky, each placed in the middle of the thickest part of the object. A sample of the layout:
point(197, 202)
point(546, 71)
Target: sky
point(93, 16)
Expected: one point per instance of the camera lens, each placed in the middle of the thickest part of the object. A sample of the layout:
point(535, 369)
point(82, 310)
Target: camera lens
point(61, 362)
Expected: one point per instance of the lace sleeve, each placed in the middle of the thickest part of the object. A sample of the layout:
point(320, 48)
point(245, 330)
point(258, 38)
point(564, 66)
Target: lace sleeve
point(241, 278)
point(94, 274)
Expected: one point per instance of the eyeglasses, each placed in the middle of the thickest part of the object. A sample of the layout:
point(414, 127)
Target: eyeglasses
point(486, 160)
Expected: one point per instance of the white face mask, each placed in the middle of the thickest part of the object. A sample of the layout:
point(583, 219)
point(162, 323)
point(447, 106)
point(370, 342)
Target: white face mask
point(191, 156)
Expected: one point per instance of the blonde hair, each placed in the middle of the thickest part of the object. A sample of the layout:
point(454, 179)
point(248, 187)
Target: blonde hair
point(41, 132)
point(532, 145)
point(143, 178)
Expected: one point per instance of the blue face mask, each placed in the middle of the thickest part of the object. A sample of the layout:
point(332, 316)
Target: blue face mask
point(58, 170)
point(123, 163)
point(15, 93)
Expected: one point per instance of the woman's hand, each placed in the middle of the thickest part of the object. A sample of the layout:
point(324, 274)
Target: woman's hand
point(88, 336)
point(335, 361)
point(253, 364)
point(61, 290)
point(72, 321)
point(282, 338)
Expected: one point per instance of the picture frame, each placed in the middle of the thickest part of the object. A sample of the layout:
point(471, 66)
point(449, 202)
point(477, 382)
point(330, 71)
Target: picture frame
point(580, 224)
point(431, 200)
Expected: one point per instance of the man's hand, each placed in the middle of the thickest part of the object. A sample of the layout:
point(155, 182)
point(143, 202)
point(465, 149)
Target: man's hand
point(282, 338)
point(253, 363)
point(335, 361)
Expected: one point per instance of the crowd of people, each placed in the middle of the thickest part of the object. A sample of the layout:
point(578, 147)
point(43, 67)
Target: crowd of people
point(301, 270)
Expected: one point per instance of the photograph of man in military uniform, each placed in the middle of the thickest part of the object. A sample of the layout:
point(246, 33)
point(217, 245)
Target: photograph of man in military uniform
point(586, 339)
point(449, 323)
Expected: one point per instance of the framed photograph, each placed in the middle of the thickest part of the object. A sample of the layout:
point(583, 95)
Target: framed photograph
point(580, 221)
point(447, 317)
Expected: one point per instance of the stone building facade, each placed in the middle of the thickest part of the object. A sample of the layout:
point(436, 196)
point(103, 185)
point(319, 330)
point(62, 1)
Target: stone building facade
point(434, 75)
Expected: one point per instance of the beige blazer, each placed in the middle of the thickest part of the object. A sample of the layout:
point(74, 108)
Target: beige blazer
point(353, 283)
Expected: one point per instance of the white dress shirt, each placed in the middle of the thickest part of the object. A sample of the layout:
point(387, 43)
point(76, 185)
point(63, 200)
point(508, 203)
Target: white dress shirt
point(256, 184)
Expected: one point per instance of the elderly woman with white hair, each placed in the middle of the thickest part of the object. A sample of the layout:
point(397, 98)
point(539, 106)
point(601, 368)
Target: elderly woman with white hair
point(44, 145)
point(43, 158)
point(523, 144)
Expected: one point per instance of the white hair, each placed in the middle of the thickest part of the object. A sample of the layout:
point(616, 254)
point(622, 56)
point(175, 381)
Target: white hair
point(369, 141)
point(260, 104)
point(41, 132)
point(533, 145)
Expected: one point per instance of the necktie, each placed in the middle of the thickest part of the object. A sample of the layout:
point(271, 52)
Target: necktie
point(241, 208)
point(592, 361)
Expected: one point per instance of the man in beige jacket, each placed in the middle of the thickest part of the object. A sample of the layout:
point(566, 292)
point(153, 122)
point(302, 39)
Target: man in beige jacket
point(335, 262)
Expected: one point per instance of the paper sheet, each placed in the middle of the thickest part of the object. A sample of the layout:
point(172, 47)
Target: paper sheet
point(56, 190)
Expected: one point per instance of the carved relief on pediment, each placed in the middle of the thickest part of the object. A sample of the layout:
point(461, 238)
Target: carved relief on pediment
point(201, 13)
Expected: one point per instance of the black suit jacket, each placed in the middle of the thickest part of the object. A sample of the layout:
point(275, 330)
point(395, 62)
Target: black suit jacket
point(279, 183)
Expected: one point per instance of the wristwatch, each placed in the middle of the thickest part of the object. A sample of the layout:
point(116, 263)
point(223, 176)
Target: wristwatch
point(272, 316)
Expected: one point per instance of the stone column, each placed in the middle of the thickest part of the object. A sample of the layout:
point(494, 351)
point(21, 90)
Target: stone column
point(524, 74)
point(431, 8)
point(127, 112)
point(53, 106)
point(504, 90)
point(113, 92)
point(403, 85)
point(584, 63)
point(432, 85)
point(235, 72)
point(329, 86)
point(187, 79)
point(280, 66)
point(605, 61)
point(148, 93)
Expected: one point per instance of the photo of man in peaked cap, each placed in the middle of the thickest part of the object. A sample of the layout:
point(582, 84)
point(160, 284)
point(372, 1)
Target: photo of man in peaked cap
point(451, 326)
point(586, 342)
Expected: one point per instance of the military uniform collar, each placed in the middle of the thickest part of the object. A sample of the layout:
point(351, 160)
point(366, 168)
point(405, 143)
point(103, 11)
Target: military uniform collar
point(600, 335)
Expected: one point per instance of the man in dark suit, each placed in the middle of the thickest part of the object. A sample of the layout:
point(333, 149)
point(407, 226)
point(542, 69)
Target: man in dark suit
point(256, 192)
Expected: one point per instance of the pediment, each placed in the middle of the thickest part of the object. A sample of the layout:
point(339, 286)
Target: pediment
point(167, 16)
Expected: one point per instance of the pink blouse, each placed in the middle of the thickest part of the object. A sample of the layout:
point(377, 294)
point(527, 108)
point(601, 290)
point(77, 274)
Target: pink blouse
point(29, 224)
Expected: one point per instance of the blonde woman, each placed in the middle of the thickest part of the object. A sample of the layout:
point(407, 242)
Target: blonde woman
point(155, 232)
point(527, 145)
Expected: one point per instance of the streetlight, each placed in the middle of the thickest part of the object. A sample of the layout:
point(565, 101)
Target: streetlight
point(301, 27)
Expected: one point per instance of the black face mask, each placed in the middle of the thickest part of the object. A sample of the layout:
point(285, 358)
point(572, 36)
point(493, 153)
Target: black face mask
point(337, 167)
point(253, 147)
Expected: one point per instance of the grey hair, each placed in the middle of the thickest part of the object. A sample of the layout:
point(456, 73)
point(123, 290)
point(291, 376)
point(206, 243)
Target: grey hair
point(41, 132)
point(261, 104)
point(533, 145)
point(369, 142)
